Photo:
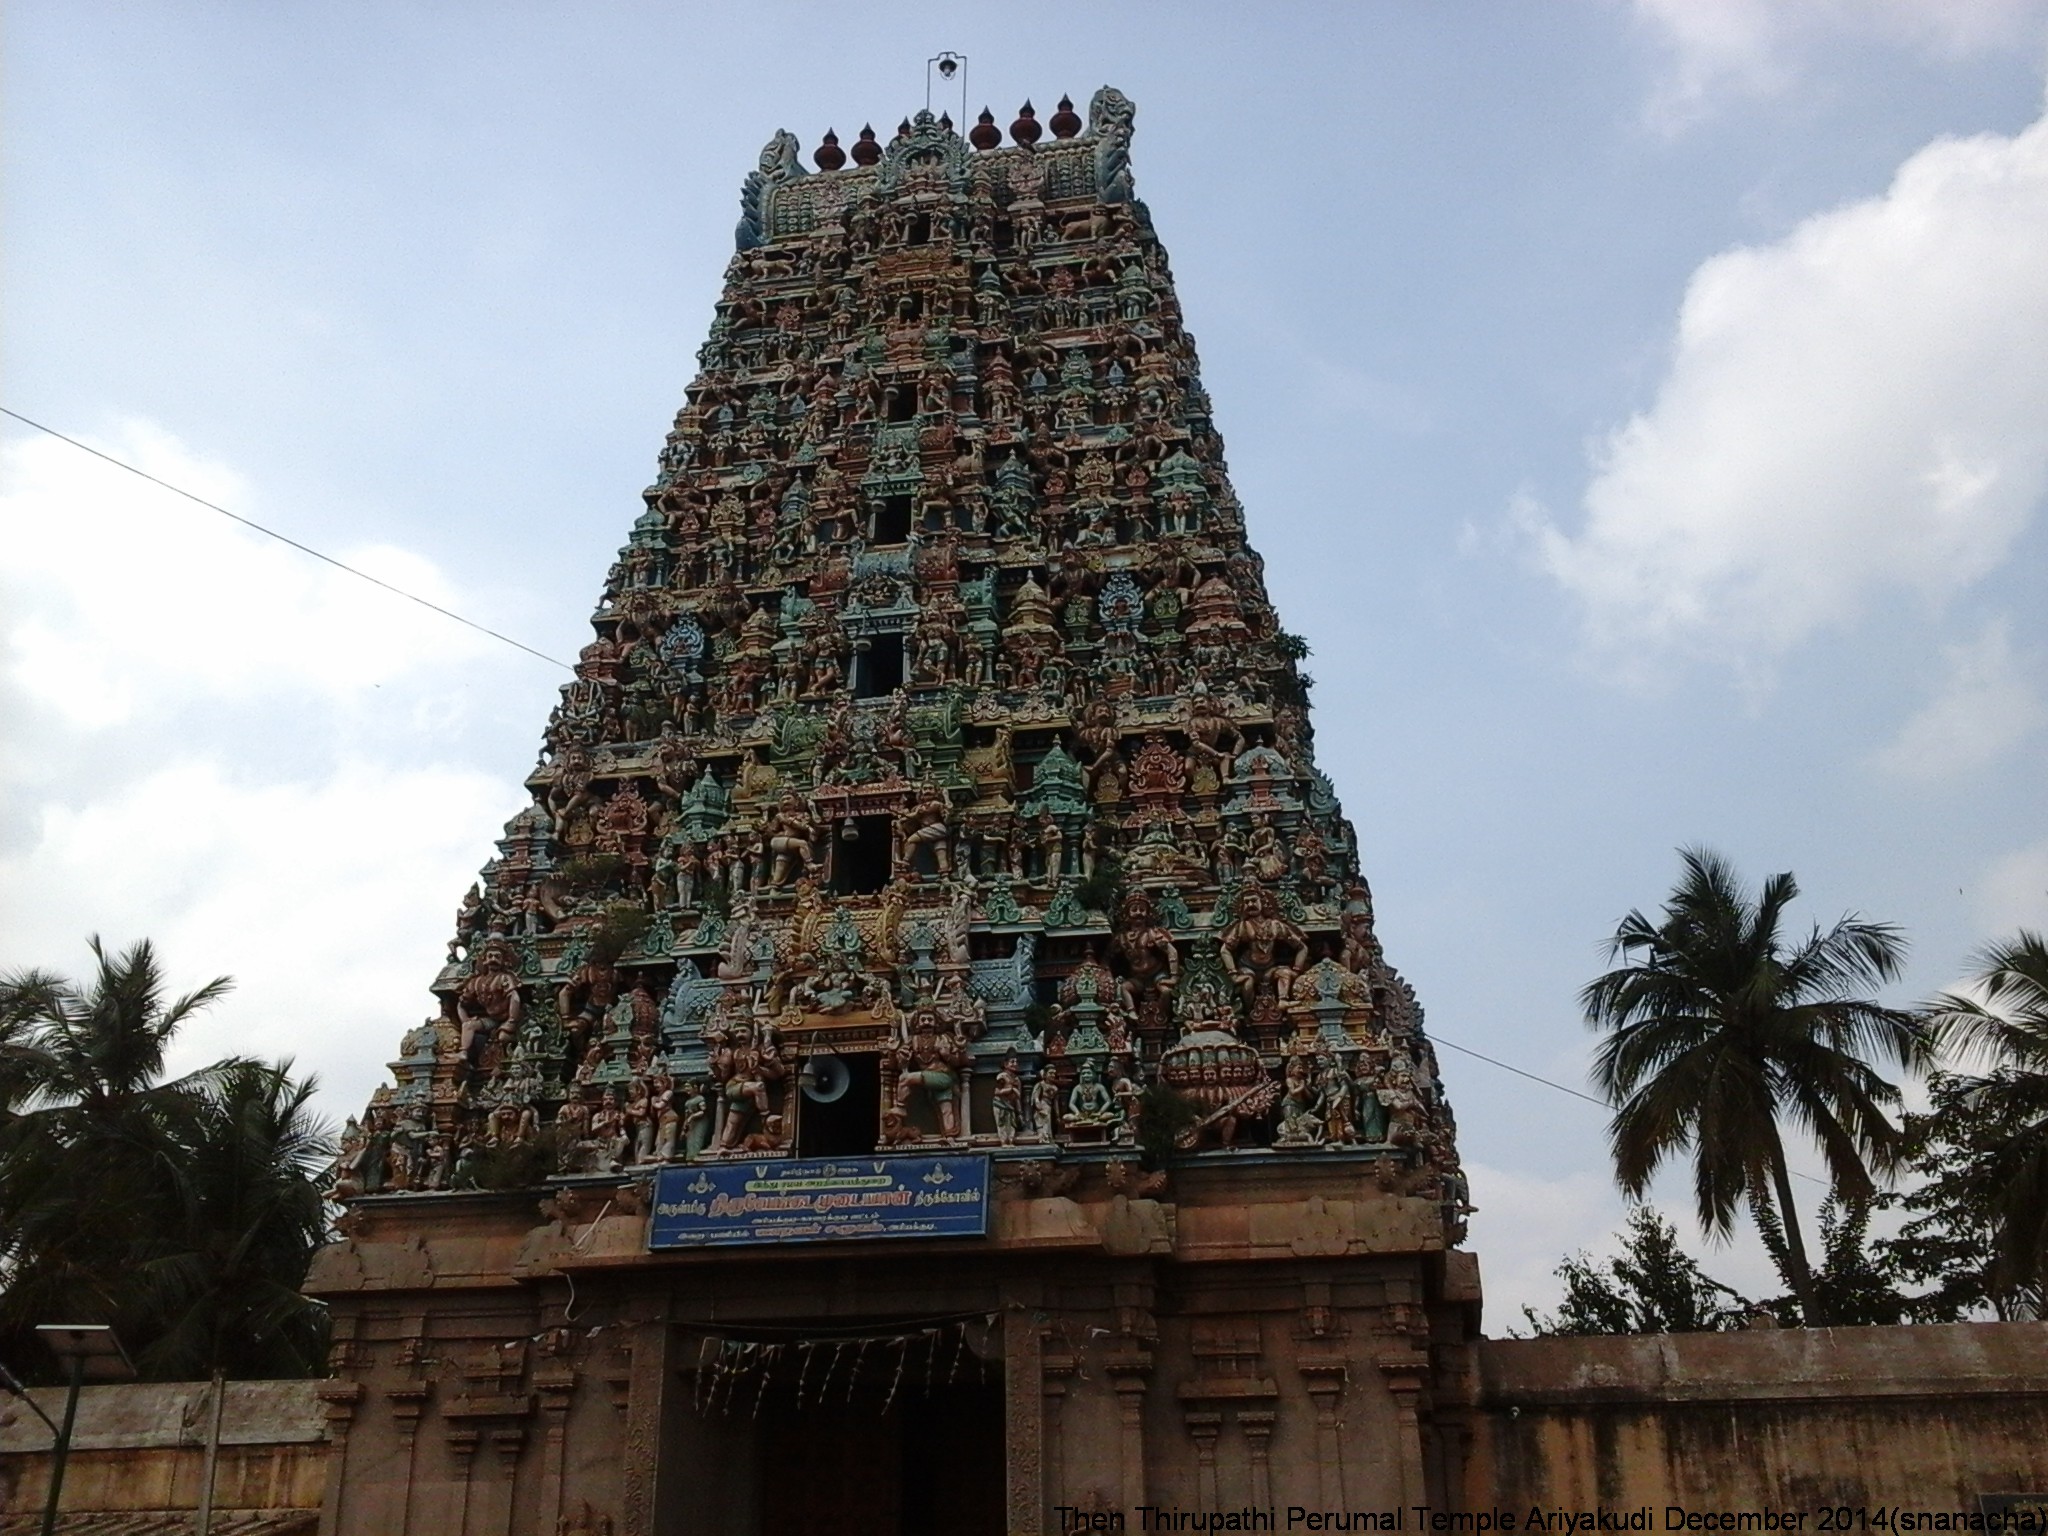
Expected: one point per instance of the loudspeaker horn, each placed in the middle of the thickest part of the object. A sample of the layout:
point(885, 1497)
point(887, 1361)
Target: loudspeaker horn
point(824, 1078)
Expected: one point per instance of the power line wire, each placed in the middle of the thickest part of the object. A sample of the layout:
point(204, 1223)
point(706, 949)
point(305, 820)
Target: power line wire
point(304, 549)
point(1561, 1088)
point(507, 639)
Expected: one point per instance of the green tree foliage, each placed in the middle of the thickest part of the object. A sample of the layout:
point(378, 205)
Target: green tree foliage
point(1652, 1286)
point(1946, 1242)
point(1720, 1027)
point(1985, 1154)
point(181, 1211)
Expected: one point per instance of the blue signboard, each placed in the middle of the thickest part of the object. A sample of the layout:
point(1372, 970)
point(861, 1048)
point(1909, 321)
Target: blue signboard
point(712, 1205)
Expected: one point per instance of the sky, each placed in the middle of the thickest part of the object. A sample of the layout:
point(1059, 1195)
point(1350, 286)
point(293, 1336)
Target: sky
point(1641, 405)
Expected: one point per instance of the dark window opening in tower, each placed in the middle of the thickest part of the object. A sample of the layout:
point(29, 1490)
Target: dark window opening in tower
point(850, 1121)
point(892, 521)
point(903, 402)
point(878, 670)
point(920, 230)
point(860, 863)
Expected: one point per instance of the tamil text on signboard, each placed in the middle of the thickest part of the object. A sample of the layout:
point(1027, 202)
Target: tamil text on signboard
point(710, 1205)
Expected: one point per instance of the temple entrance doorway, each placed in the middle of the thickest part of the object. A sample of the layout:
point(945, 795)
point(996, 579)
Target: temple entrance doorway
point(933, 1462)
point(884, 1435)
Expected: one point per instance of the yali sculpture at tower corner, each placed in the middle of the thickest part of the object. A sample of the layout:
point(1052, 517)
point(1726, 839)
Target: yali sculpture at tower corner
point(939, 776)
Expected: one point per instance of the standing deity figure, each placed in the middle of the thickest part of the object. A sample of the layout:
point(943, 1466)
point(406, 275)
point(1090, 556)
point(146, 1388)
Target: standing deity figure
point(1403, 1106)
point(667, 1123)
point(924, 826)
point(1340, 1101)
point(791, 840)
point(1300, 1125)
point(1007, 1100)
point(929, 1061)
point(745, 1071)
point(1045, 1105)
point(608, 1132)
point(1129, 1096)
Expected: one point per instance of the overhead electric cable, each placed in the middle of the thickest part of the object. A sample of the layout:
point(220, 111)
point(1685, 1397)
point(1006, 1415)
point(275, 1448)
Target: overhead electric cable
point(1561, 1088)
point(304, 549)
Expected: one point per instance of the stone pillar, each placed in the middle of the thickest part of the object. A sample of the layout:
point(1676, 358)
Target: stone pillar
point(1023, 1410)
point(640, 1450)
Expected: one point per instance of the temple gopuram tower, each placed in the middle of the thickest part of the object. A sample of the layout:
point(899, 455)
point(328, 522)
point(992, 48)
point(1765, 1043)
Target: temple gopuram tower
point(921, 1061)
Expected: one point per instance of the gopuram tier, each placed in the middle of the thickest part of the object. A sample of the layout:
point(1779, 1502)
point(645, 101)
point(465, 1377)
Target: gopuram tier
point(939, 780)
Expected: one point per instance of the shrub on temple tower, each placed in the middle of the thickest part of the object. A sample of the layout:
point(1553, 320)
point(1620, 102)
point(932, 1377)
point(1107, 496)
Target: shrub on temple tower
point(937, 741)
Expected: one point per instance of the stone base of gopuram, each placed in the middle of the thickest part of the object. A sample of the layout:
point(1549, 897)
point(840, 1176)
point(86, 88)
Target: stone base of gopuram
point(1253, 1333)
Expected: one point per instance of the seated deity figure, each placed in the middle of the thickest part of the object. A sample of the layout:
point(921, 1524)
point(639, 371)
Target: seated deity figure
point(929, 1061)
point(1262, 945)
point(745, 1071)
point(489, 1000)
point(1265, 855)
point(1090, 1104)
point(790, 840)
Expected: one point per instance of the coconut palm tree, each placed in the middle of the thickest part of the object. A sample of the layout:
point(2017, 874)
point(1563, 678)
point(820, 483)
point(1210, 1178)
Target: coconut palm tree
point(2001, 1023)
point(130, 1199)
point(1722, 1028)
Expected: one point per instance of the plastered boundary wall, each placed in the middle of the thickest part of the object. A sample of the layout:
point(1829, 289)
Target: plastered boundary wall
point(142, 1448)
point(1922, 1418)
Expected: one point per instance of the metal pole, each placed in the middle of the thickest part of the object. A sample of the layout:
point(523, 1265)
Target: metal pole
point(62, 1451)
point(220, 1391)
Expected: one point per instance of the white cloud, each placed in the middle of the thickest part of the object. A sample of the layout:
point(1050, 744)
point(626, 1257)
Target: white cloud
point(1716, 49)
point(328, 901)
point(1524, 1226)
point(1987, 705)
point(126, 598)
point(1855, 412)
point(246, 756)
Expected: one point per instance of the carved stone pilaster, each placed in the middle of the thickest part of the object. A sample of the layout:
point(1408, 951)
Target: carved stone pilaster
point(556, 1389)
point(1406, 1372)
point(338, 1402)
point(640, 1453)
point(1256, 1425)
point(1130, 1372)
point(1204, 1428)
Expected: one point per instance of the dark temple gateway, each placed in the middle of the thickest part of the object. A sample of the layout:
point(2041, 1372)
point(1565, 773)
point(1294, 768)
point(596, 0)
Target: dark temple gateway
point(922, 1061)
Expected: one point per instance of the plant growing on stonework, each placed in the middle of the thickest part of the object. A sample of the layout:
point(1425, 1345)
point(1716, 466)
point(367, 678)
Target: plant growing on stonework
point(1164, 1115)
point(181, 1211)
point(622, 926)
point(591, 872)
point(1721, 1028)
point(1652, 1286)
point(1102, 891)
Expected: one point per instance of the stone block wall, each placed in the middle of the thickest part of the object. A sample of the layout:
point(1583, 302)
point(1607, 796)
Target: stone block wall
point(1919, 1418)
point(139, 1451)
